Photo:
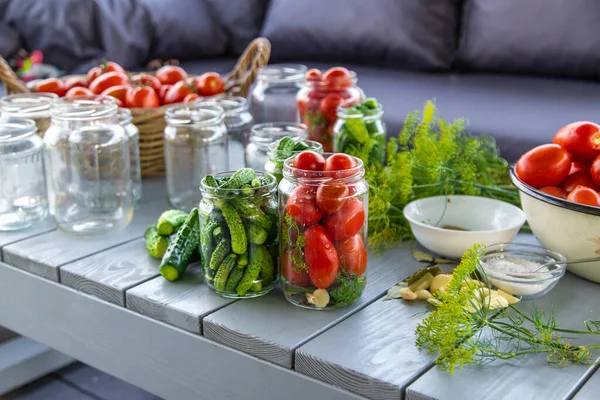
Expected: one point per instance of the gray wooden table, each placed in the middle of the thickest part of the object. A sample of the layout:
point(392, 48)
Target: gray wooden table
point(103, 302)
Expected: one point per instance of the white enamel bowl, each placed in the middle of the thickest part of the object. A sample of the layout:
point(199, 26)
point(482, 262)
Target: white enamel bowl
point(487, 221)
point(563, 226)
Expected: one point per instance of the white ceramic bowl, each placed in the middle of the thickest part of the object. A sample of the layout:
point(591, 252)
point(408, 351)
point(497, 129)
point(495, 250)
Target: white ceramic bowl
point(563, 226)
point(487, 221)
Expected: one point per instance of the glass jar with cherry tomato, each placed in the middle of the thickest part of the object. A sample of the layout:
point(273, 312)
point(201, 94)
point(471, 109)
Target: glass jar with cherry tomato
point(34, 106)
point(262, 135)
point(320, 98)
point(278, 153)
point(323, 210)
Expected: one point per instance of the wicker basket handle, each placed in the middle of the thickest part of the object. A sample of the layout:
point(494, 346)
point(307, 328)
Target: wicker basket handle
point(11, 81)
point(255, 57)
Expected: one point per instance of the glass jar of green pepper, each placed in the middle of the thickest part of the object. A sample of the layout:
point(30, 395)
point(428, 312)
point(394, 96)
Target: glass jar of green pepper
point(283, 149)
point(239, 227)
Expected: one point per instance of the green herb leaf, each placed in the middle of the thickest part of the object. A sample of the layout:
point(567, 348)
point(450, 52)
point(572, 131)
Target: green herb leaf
point(350, 287)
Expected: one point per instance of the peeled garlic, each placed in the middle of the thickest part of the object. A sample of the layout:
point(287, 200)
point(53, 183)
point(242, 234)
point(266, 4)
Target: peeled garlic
point(423, 294)
point(320, 298)
point(472, 283)
point(439, 281)
point(494, 301)
point(422, 283)
point(509, 297)
point(483, 292)
point(407, 294)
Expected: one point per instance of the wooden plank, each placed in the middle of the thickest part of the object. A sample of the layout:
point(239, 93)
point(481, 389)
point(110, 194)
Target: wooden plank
point(46, 389)
point(591, 389)
point(182, 303)
point(44, 226)
point(271, 329)
point(108, 274)
point(43, 255)
point(166, 361)
point(371, 353)
point(574, 300)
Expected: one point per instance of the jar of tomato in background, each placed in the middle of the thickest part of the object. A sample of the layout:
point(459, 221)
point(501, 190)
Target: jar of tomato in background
point(323, 203)
point(319, 99)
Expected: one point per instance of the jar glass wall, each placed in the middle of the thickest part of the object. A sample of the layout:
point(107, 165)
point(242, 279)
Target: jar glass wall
point(133, 133)
point(262, 135)
point(274, 165)
point(34, 106)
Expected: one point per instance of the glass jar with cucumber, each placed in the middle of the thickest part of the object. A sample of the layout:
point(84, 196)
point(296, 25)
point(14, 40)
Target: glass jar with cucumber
point(239, 227)
point(285, 148)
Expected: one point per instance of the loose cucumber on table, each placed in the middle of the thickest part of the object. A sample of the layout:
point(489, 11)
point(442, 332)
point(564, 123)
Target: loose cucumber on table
point(182, 248)
point(170, 221)
point(156, 244)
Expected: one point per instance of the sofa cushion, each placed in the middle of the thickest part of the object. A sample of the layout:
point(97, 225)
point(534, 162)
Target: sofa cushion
point(410, 33)
point(9, 40)
point(542, 37)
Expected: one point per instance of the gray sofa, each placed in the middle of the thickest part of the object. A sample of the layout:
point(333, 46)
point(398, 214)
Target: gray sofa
point(517, 70)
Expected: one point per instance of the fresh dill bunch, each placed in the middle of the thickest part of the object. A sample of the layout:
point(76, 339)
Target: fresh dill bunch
point(459, 337)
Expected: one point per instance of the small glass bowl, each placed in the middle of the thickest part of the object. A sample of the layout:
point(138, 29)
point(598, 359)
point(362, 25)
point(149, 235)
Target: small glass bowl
point(526, 285)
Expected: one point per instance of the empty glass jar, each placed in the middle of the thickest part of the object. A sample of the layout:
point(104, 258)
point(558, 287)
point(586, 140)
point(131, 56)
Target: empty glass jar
point(274, 96)
point(87, 166)
point(262, 135)
point(34, 106)
point(23, 198)
point(195, 145)
point(125, 119)
point(238, 119)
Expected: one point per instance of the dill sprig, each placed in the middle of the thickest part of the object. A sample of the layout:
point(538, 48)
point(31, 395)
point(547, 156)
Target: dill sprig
point(460, 338)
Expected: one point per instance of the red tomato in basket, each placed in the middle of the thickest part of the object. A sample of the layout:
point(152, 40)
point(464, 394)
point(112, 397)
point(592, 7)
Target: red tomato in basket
point(555, 191)
point(595, 170)
point(580, 178)
point(585, 195)
point(545, 165)
point(146, 80)
point(577, 167)
point(321, 257)
point(142, 97)
point(302, 207)
point(75, 81)
point(170, 74)
point(347, 222)
point(51, 85)
point(309, 161)
point(291, 274)
point(582, 139)
point(177, 92)
point(342, 164)
point(191, 97)
point(329, 105)
point(118, 92)
point(162, 92)
point(79, 91)
point(108, 80)
point(331, 197)
point(104, 68)
point(210, 84)
point(352, 254)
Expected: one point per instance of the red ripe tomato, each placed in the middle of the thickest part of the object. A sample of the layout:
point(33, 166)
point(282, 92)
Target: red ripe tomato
point(79, 91)
point(293, 275)
point(347, 222)
point(75, 81)
point(585, 195)
point(51, 85)
point(337, 78)
point(107, 80)
point(191, 97)
point(555, 191)
point(352, 255)
point(142, 97)
point(210, 84)
point(577, 166)
point(320, 256)
point(331, 197)
point(177, 92)
point(545, 165)
point(313, 75)
point(580, 178)
point(93, 74)
point(340, 163)
point(104, 68)
point(302, 105)
point(309, 161)
point(302, 207)
point(146, 80)
point(118, 92)
point(163, 91)
point(170, 74)
point(595, 170)
point(582, 139)
point(329, 105)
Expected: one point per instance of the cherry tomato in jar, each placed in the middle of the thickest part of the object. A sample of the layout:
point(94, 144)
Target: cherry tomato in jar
point(178, 91)
point(331, 197)
point(51, 85)
point(347, 222)
point(170, 74)
point(352, 254)
point(545, 165)
point(292, 274)
point(162, 92)
point(595, 170)
point(107, 80)
point(191, 97)
point(329, 105)
point(337, 78)
point(142, 97)
point(309, 161)
point(147, 80)
point(118, 92)
point(313, 75)
point(210, 84)
point(302, 206)
point(581, 139)
point(580, 178)
point(555, 191)
point(103, 68)
point(340, 165)
point(79, 91)
point(320, 256)
point(585, 195)
point(75, 81)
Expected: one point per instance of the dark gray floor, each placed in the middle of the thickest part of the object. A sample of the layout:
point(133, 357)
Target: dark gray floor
point(79, 382)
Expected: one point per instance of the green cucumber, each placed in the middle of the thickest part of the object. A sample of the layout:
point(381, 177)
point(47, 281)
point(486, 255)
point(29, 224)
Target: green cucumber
point(255, 234)
point(156, 244)
point(239, 178)
point(181, 249)
point(234, 278)
point(300, 146)
point(253, 213)
point(239, 242)
point(355, 126)
point(210, 181)
point(242, 260)
point(259, 255)
point(206, 240)
point(223, 248)
point(256, 286)
point(170, 221)
point(223, 272)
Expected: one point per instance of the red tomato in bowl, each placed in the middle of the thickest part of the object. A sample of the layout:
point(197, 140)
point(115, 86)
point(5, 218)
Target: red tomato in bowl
point(329, 105)
point(545, 165)
point(347, 222)
point(75, 81)
point(51, 85)
point(79, 91)
point(293, 275)
point(177, 92)
point(107, 80)
point(170, 74)
point(104, 68)
point(147, 80)
point(321, 257)
point(585, 195)
point(210, 84)
point(352, 254)
point(595, 170)
point(309, 161)
point(580, 178)
point(141, 97)
point(302, 206)
point(555, 191)
point(331, 197)
point(582, 139)
point(577, 167)
point(118, 92)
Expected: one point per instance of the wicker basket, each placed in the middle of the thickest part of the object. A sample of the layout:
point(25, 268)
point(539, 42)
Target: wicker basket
point(151, 121)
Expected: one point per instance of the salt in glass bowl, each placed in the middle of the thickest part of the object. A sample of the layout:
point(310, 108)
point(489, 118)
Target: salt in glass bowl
point(526, 285)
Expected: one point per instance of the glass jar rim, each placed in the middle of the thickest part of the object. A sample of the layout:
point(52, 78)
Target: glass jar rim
point(232, 105)
point(124, 116)
point(312, 146)
point(283, 73)
point(265, 133)
point(117, 134)
point(211, 192)
point(310, 178)
point(335, 82)
point(202, 113)
point(342, 113)
point(83, 108)
point(16, 129)
point(30, 104)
